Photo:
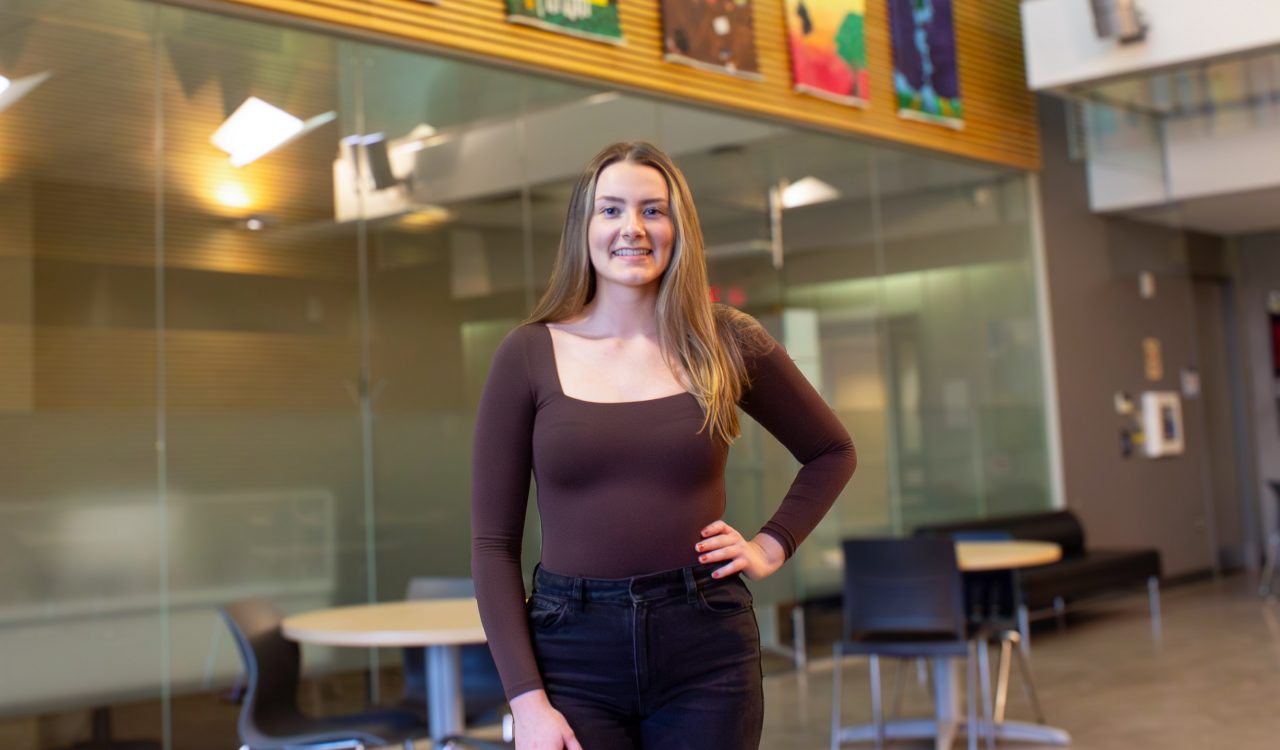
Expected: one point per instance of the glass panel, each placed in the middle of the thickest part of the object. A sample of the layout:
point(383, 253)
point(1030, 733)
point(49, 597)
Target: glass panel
point(449, 278)
point(965, 384)
point(263, 384)
point(80, 522)
point(1011, 395)
point(831, 269)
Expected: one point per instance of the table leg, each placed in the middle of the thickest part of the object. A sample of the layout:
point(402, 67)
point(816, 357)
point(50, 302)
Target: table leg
point(942, 728)
point(949, 721)
point(444, 692)
point(946, 699)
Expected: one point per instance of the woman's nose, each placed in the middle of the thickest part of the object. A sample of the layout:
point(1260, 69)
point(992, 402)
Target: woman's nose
point(632, 226)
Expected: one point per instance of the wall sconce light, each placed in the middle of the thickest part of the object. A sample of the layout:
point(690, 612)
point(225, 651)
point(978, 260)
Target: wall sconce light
point(13, 90)
point(1119, 19)
point(257, 128)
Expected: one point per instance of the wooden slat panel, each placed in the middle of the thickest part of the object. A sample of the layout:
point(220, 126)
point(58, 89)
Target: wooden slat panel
point(207, 372)
point(1000, 124)
point(16, 368)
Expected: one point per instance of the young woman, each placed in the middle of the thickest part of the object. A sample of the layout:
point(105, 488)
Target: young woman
point(620, 395)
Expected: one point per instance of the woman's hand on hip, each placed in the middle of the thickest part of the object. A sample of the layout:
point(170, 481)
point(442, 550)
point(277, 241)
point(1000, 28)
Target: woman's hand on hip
point(539, 726)
point(756, 558)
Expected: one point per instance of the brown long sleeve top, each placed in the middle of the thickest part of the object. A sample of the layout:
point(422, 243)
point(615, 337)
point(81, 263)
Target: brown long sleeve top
point(623, 488)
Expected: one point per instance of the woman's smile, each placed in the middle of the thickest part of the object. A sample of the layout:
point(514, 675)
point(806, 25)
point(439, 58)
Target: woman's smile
point(631, 233)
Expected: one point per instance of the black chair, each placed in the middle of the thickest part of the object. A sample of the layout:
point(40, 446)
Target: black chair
point(903, 598)
point(270, 718)
point(483, 698)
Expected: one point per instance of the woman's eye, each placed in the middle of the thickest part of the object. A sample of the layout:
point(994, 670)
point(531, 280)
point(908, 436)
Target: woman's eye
point(609, 211)
point(653, 212)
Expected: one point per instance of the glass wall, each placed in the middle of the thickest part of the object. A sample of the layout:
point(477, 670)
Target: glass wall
point(219, 382)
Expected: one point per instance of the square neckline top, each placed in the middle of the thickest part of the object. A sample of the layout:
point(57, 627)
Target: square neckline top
point(559, 385)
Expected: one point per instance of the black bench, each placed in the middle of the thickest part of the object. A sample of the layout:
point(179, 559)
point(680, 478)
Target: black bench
point(1082, 573)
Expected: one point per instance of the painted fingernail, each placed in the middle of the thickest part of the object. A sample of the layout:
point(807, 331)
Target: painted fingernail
point(702, 558)
point(698, 547)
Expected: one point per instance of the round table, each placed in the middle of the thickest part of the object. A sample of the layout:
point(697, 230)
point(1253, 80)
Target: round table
point(439, 625)
point(976, 557)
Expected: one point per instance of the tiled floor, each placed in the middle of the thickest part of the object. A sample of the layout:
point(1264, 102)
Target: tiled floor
point(1212, 683)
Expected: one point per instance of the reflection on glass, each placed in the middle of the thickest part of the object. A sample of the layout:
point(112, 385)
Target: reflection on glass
point(262, 381)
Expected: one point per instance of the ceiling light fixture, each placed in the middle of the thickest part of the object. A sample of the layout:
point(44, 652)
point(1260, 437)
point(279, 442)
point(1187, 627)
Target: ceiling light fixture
point(233, 195)
point(1119, 19)
point(426, 216)
point(807, 191)
point(13, 90)
point(257, 128)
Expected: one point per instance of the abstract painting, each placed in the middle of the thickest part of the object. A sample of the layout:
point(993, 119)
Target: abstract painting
point(926, 81)
point(715, 35)
point(828, 49)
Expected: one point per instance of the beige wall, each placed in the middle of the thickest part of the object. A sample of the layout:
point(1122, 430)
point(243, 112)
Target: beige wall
point(1099, 322)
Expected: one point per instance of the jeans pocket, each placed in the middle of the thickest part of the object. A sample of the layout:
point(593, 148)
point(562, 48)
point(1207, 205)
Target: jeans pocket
point(728, 598)
point(545, 612)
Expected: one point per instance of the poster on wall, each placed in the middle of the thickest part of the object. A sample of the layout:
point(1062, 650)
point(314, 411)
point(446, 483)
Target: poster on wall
point(596, 20)
point(926, 81)
point(828, 49)
point(716, 35)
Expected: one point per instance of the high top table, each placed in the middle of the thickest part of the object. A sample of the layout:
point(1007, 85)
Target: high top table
point(441, 626)
point(971, 557)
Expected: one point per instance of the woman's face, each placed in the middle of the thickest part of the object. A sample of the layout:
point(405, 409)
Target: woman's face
point(630, 234)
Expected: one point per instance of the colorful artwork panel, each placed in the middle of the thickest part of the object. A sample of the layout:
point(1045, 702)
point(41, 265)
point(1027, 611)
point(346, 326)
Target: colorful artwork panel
point(716, 35)
point(828, 49)
point(590, 19)
point(926, 81)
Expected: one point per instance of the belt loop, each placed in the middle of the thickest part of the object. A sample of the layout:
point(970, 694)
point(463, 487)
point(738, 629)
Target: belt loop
point(579, 595)
point(690, 586)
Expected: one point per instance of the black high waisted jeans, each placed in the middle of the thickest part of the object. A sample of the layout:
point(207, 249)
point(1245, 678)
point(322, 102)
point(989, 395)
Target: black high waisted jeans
point(660, 662)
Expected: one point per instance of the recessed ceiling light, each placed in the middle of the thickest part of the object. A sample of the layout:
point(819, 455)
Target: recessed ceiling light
point(257, 128)
point(233, 195)
point(427, 216)
point(13, 90)
point(807, 191)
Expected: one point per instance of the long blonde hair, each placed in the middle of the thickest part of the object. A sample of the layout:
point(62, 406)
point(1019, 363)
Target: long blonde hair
point(707, 341)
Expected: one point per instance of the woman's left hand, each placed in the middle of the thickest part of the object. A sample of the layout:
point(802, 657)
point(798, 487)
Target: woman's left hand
point(757, 558)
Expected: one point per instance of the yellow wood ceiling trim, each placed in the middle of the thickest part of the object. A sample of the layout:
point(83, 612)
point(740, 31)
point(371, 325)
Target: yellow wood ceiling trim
point(1000, 116)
